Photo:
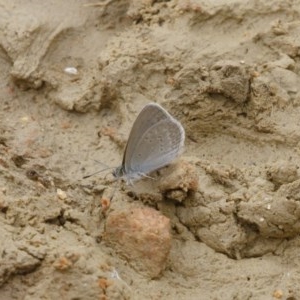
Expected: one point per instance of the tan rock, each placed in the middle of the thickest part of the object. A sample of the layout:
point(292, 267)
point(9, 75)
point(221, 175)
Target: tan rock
point(142, 236)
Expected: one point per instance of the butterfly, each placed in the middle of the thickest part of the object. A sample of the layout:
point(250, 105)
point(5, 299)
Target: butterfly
point(155, 140)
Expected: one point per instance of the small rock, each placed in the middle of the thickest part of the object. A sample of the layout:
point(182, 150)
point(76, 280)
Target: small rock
point(71, 70)
point(61, 194)
point(278, 294)
point(62, 264)
point(142, 236)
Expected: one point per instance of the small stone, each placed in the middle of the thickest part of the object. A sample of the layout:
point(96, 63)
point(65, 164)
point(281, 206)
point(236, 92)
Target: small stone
point(71, 70)
point(61, 194)
point(104, 283)
point(105, 204)
point(278, 294)
point(62, 264)
point(142, 236)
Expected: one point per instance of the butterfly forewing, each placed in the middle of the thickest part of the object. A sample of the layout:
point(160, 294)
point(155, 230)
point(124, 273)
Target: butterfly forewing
point(155, 140)
point(151, 114)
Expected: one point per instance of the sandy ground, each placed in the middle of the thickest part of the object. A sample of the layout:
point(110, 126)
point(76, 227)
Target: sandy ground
point(221, 223)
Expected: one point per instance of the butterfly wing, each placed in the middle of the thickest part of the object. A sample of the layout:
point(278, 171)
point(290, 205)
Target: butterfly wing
point(151, 114)
point(156, 139)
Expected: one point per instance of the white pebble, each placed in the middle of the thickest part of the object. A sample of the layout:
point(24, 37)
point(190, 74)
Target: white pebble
point(61, 194)
point(71, 70)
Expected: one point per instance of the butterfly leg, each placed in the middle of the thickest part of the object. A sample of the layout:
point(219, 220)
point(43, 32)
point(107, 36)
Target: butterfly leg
point(146, 176)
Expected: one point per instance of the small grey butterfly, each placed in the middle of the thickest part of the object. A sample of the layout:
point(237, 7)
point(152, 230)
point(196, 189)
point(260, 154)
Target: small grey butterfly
point(155, 140)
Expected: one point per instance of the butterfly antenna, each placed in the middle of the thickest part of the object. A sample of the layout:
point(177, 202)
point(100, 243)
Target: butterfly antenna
point(87, 176)
point(101, 163)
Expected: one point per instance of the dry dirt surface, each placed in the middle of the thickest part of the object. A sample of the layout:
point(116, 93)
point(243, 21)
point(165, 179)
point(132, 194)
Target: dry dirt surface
point(222, 222)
